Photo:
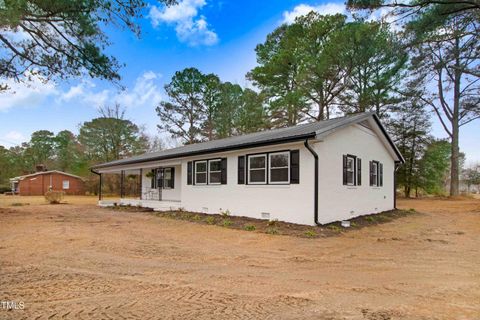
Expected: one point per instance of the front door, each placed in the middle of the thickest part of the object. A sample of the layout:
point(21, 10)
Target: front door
point(160, 183)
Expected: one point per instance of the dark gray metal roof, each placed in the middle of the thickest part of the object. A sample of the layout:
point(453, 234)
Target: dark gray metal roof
point(268, 137)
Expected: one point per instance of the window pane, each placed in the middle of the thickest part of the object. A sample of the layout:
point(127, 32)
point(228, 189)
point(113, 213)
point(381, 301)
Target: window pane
point(279, 175)
point(200, 166)
point(257, 175)
point(168, 173)
point(257, 162)
point(201, 177)
point(215, 177)
point(349, 164)
point(215, 165)
point(350, 177)
point(279, 160)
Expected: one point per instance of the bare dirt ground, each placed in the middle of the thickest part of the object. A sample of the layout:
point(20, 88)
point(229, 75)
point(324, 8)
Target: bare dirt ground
point(76, 261)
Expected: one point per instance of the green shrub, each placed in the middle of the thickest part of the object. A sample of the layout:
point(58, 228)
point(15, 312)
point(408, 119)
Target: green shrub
point(54, 197)
point(249, 227)
point(210, 220)
point(272, 230)
point(310, 234)
point(226, 213)
point(196, 217)
point(227, 222)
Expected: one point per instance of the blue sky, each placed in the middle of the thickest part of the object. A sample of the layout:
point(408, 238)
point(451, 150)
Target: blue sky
point(213, 36)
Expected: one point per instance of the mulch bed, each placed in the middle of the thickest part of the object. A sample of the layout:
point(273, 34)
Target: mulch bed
point(275, 227)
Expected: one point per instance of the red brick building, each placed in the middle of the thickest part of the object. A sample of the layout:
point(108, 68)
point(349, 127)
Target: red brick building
point(37, 184)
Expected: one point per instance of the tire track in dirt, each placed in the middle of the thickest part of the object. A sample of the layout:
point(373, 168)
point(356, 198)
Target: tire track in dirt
point(88, 296)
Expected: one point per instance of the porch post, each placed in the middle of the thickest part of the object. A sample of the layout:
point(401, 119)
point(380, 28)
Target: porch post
point(122, 174)
point(141, 183)
point(100, 188)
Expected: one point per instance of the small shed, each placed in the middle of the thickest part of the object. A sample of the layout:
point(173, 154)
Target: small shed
point(37, 184)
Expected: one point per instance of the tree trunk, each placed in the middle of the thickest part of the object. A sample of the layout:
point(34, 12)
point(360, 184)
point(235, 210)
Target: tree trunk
point(454, 171)
point(454, 163)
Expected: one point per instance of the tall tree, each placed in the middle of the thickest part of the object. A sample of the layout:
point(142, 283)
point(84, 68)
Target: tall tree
point(61, 38)
point(68, 152)
point(111, 136)
point(210, 101)
point(184, 114)
point(322, 72)
point(277, 76)
point(5, 172)
point(40, 149)
point(434, 165)
point(229, 103)
point(251, 115)
point(444, 41)
point(409, 127)
point(374, 59)
point(445, 50)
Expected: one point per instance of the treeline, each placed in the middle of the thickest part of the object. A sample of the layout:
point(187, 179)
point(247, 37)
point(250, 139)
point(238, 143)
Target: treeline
point(106, 138)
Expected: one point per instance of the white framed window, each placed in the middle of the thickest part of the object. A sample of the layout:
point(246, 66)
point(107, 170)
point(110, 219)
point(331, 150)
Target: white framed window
point(279, 167)
point(201, 172)
point(350, 171)
point(65, 184)
point(257, 169)
point(215, 171)
point(167, 178)
point(374, 173)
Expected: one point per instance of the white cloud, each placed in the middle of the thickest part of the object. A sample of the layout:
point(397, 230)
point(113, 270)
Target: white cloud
point(303, 9)
point(26, 94)
point(146, 91)
point(15, 137)
point(190, 28)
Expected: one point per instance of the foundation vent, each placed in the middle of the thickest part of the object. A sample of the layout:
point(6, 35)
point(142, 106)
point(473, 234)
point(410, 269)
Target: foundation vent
point(265, 215)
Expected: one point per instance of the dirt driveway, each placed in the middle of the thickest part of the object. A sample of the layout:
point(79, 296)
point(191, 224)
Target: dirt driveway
point(82, 262)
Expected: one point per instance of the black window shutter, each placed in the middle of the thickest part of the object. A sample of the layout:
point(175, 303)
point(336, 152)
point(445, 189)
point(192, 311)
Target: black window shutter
point(189, 172)
point(344, 170)
point(371, 172)
point(241, 170)
point(224, 171)
point(359, 172)
point(152, 180)
point(172, 178)
point(380, 175)
point(294, 166)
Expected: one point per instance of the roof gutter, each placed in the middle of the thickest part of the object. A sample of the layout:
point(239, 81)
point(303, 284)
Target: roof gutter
point(315, 196)
point(201, 152)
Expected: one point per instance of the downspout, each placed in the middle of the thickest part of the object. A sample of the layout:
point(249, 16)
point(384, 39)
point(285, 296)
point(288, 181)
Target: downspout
point(315, 196)
point(99, 185)
point(396, 166)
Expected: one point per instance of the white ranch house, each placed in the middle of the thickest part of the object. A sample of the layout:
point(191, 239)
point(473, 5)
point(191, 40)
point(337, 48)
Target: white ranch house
point(309, 174)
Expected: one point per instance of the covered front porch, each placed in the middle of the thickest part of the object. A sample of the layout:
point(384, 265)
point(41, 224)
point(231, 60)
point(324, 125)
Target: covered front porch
point(155, 186)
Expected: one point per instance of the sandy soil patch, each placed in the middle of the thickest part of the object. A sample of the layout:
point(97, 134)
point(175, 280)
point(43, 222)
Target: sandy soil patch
point(81, 262)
